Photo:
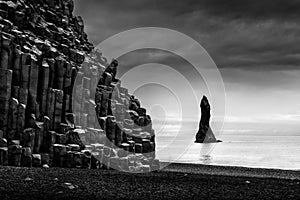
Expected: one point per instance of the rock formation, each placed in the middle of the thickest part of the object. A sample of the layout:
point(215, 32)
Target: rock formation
point(205, 134)
point(45, 53)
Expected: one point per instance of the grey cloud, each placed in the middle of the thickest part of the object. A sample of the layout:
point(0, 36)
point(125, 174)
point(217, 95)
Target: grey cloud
point(229, 8)
point(251, 35)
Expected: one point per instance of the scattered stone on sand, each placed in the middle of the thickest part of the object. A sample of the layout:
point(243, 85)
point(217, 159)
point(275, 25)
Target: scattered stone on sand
point(28, 179)
point(69, 186)
point(45, 166)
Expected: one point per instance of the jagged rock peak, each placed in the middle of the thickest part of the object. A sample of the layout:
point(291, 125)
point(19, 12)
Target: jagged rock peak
point(205, 134)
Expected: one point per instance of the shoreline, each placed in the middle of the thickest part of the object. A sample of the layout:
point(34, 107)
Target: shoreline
point(177, 181)
point(238, 171)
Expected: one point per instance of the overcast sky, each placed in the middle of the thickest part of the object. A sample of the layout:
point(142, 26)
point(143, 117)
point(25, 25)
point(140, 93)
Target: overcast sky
point(254, 43)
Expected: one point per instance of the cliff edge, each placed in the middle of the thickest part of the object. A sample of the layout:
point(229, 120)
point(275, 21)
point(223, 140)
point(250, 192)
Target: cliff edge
point(54, 111)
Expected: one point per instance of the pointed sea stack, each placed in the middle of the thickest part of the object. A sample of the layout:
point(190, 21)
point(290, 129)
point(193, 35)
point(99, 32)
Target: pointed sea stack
point(205, 134)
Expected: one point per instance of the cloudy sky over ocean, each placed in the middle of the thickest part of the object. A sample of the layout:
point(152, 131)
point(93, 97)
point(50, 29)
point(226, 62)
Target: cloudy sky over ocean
point(254, 43)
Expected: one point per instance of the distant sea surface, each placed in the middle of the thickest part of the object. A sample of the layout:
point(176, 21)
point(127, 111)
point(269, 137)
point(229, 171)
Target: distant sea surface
point(250, 148)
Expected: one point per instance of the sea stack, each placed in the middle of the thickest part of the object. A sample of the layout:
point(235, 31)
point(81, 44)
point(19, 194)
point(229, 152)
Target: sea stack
point(205, 134)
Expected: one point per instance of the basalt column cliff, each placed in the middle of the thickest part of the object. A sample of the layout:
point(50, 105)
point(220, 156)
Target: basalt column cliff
point(45, 54)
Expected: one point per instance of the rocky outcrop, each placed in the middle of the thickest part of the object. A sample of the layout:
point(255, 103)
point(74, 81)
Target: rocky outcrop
point(45, 53)
point(124, 130)
point(205, 134)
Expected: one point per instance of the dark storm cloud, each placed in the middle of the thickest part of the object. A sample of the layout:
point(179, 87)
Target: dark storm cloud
point(255, 9)
point(240, 34)
point(232, 8)
point(178, 63)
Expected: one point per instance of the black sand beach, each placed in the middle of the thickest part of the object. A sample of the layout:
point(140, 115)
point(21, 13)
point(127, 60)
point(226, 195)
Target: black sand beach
point(177, 181)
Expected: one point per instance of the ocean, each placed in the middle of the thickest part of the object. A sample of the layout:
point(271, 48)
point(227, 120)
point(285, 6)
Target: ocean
point(263, 147)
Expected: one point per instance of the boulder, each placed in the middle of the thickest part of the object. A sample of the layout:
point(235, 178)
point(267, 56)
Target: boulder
point(3, 156)
point(86, 159)
point(36, 160)
point(77, 137)
point(26, 159)
point(14, 155)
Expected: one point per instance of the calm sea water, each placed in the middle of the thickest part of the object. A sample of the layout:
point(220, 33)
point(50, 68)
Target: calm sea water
point(274, 149)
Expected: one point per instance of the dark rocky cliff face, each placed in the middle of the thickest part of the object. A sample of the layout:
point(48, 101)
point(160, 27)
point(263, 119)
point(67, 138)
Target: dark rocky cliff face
point(205, 134)
point(45, 54)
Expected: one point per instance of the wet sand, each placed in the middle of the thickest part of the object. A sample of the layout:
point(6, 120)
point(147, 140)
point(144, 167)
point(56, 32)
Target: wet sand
point(176, 181)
